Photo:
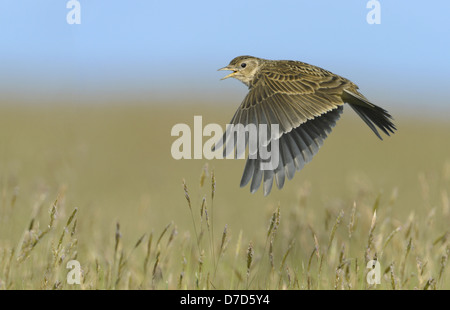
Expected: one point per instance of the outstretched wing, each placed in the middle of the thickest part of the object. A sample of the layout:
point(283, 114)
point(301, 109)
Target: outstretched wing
point(296, 148)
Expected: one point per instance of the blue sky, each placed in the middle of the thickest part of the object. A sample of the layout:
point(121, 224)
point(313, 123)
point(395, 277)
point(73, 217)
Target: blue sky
point(145, 47)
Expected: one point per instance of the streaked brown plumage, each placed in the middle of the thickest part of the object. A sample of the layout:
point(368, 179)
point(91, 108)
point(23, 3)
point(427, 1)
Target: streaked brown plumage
point(306, 101)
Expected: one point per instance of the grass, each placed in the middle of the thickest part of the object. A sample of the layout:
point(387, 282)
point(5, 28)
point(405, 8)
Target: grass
point(97, 184)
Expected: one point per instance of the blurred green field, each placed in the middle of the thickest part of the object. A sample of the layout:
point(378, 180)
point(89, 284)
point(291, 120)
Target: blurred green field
point(112, 163)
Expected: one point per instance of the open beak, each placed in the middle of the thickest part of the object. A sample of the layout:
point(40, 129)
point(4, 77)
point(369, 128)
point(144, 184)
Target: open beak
point(227, 68)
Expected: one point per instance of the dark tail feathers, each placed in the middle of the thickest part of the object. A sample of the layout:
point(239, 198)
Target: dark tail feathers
point(371, 114)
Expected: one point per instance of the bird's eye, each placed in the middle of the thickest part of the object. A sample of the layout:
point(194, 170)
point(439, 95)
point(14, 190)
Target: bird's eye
point(243, 65)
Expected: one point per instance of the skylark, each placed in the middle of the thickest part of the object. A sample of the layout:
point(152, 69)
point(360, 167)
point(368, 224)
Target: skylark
point(305, 101)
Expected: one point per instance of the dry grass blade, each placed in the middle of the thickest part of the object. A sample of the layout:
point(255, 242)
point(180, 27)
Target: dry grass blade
point(335, 226)
point(163, 233)
point(351, 224)
point(147, 256)
point(250, 253)
point(370, 238)
point(408, 249)
point(180, 281)
point(442, 239)
point(430, 285)
point(444, 260)
point(224, 237)
point(389, 237)
point(283, 261)
point(213, 191)
point(188, 199)
point(157, 272)
point(204, 175)
point(393, 280)
point(199, 273)
point(223, 245)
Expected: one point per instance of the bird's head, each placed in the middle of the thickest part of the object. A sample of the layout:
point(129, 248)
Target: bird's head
point(244, 68)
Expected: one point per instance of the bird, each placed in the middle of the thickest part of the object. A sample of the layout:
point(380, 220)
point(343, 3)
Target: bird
point(305, 101)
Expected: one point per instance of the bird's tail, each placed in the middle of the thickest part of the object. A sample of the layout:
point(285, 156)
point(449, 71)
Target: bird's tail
point(371, 114)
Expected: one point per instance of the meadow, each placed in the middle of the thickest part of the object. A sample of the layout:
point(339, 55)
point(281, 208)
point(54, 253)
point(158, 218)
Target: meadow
point(97, 183)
